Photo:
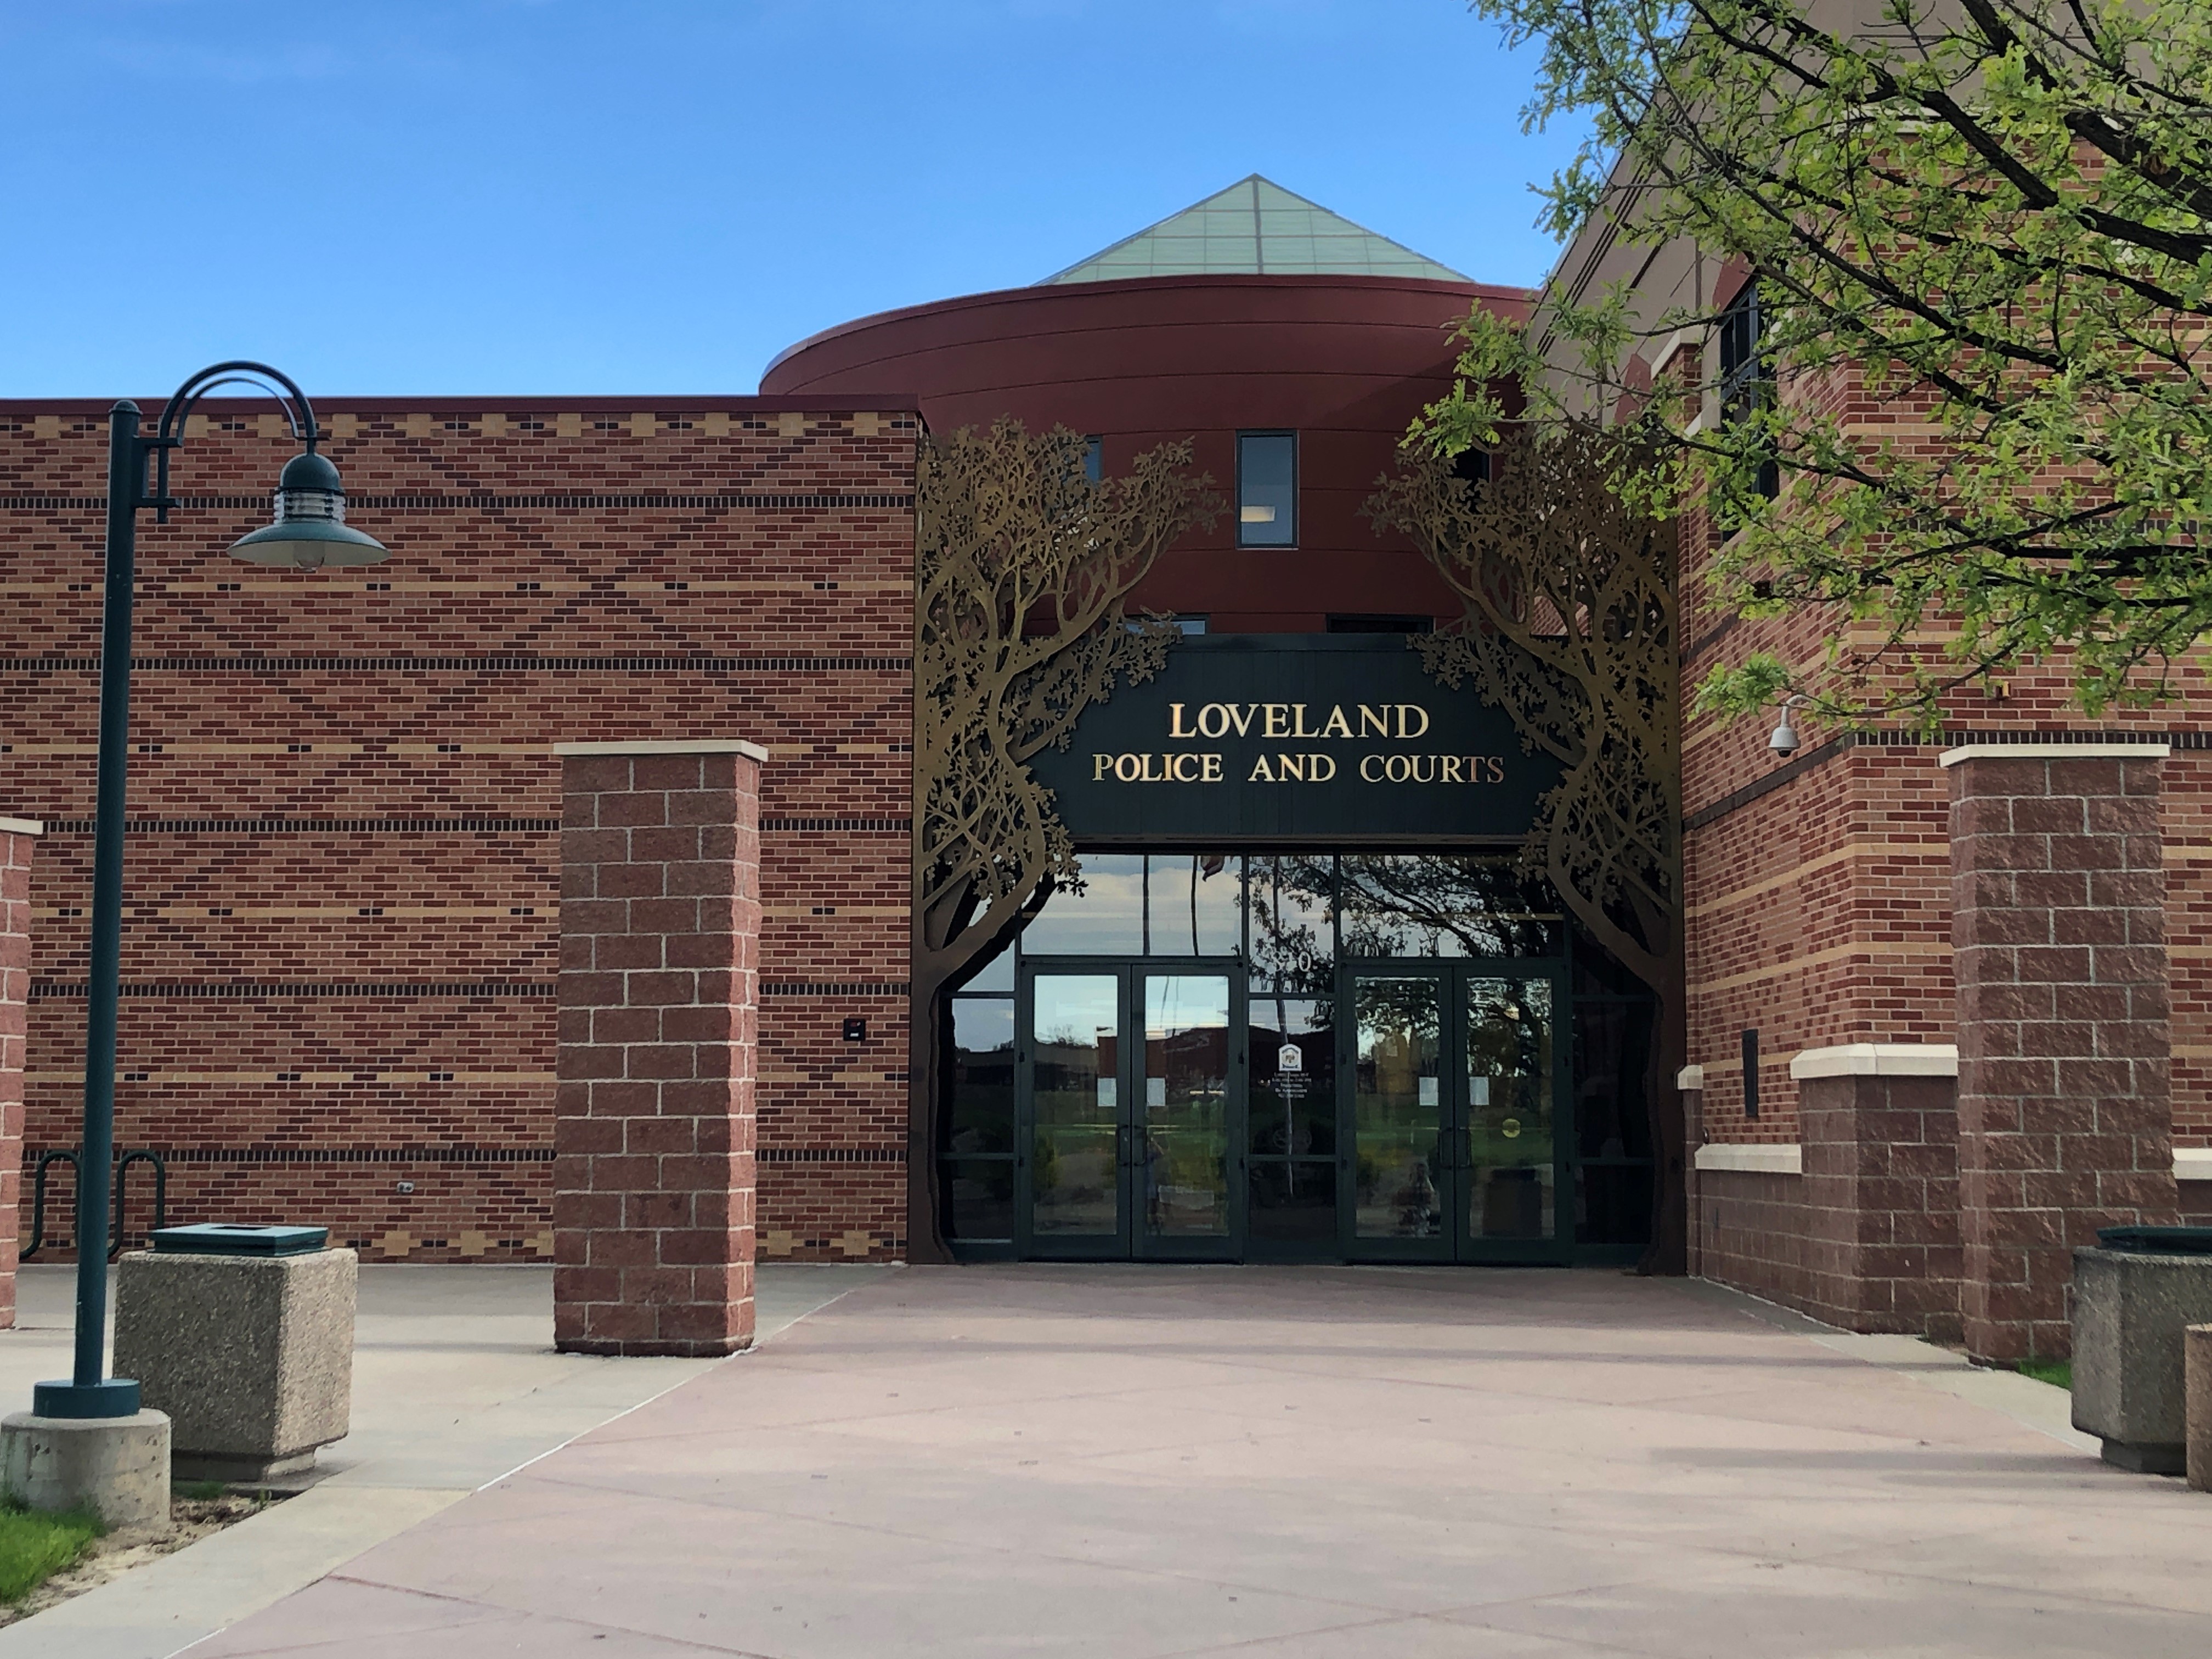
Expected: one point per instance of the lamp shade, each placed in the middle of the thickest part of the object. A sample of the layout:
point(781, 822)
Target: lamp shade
point(310, 529)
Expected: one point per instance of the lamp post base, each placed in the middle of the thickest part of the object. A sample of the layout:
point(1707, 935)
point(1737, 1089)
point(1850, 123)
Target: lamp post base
point(116, 1397)
point(116, 1467)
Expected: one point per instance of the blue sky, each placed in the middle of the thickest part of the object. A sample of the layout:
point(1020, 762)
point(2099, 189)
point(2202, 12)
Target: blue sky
point(462, 197)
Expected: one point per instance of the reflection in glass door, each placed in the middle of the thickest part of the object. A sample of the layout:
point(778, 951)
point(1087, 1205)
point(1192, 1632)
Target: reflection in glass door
point(1292, 1043)
point(1398, 1109)
point(1076, 1190)
point(1184, 1157)
point(1512, 1155)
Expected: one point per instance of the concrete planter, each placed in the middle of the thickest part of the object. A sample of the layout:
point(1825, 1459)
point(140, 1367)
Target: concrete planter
point(2129, 1312)
point(251, 1357)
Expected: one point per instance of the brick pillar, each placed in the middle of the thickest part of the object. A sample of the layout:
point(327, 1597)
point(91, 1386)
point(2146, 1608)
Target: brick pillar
point(16, 837)
point(653, 1138)
point(2066, 1114)
point(1879, 1124)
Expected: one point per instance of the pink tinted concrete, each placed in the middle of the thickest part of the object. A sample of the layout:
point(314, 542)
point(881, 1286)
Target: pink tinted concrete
point(1277, 1463)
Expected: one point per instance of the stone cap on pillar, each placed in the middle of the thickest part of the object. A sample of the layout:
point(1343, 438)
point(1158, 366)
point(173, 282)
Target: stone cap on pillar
point(1690, 1078)
point(664, 746)
point(21, 827)
point(1971, 751)
point(1876, 1060)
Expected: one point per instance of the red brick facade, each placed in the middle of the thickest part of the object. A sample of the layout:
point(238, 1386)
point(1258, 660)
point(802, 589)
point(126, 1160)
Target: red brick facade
point(18, 836)
point(341, 921)
point(652, 1134)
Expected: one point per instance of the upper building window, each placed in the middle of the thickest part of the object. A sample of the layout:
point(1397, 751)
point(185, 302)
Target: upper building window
point(1266, 489)
point(1094, 459)
point(1746, 377)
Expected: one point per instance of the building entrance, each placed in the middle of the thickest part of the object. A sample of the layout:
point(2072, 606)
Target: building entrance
point(1171, 1114)
point(1298, 1057)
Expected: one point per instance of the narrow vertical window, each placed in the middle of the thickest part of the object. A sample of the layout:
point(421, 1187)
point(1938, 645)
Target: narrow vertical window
point(1746, 377)
point(1094, 459)
point(1266, 489)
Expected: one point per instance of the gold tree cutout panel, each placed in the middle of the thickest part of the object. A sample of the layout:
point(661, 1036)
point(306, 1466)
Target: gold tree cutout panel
point(1022, 565)
point(1568, 624)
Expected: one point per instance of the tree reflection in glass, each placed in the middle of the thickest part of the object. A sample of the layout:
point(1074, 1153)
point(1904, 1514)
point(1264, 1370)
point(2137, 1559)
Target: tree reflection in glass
point(1443, 905)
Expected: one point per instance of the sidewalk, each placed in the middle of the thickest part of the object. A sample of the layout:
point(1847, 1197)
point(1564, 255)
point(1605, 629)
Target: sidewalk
point(1289, 1464)
point(455, 1384)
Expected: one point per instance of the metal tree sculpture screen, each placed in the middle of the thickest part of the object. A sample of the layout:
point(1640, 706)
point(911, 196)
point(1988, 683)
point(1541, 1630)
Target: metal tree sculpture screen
point(1022, 564)
point(1570, 625)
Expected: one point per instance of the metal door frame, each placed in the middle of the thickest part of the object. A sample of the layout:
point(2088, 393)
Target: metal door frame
point(1457, 1244)
point(1129, 1242)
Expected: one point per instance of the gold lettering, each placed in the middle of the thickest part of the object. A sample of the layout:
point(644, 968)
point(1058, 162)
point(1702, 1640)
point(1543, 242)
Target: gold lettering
point(1397, 768)
point(1175, 722)
point(1098, 765)
point(1405, 708)
point(1212, 720)
point(1420, 776)
point(1366, 761)
point(1151, 776)
point(1497, 768)
point(1275, 727)
point(1179, 760)
point(1376, 720)
point(1338, 726)
point(1243, 721)
point(1452, 764)
point(1315, 763)
point(1129, 768)
point(1289, 766)
point(1260, 772)
point(1298, 725)
point(1212, 770)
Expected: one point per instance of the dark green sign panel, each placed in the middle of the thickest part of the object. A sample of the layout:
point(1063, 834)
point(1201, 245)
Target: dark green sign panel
point(1295, 737)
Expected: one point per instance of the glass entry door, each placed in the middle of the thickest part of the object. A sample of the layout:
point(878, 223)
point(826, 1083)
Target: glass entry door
point(1129, 1091)
point(1450, 1101)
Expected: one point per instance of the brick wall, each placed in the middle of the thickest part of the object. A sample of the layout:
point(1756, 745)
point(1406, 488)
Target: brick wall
point(342, 900)
point(654, 1130)
point(17, 838)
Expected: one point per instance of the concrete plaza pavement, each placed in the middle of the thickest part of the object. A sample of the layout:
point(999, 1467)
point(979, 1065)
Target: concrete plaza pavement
point(1280, 1463)
point(455, 1384)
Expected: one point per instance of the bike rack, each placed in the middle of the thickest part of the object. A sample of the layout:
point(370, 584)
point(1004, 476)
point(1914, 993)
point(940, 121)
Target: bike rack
point(39, 1197)
point(143, 1154)
point(60, 1155)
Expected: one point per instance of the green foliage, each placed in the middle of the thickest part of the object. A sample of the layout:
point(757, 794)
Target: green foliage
point(33, 1545)
point(199, 1491)
point(1995, 214)
point(2059, 1373)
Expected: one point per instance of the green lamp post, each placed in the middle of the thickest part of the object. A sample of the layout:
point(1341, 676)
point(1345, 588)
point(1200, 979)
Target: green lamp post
point(309, 531)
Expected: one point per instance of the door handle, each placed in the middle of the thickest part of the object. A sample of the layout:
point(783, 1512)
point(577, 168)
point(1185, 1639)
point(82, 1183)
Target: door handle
point(1121, 1154)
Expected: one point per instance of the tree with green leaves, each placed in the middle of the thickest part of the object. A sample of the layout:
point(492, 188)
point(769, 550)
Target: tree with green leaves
point(1975, 422)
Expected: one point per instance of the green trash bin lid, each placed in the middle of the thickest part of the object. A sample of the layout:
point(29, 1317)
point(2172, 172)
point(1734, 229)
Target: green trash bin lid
point(233, 1239)
point(2157, 1241)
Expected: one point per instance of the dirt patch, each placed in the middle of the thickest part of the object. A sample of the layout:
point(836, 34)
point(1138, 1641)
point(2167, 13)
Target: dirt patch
point(190, 1519)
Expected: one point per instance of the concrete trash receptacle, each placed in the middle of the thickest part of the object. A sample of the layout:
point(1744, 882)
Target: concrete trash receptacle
point(2131, 1305)
point(244, 1336)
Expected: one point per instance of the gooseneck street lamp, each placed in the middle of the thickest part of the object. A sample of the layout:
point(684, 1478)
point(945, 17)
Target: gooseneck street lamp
point(309, 530)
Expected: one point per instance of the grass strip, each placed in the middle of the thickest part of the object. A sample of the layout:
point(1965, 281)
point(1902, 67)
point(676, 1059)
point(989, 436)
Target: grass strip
point(2059, 1373)
point(33, 1545)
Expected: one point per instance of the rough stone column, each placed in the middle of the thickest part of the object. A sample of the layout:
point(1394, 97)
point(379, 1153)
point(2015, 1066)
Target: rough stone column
point(653, 1203)
point(17, 836)
point(2065, 1114)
